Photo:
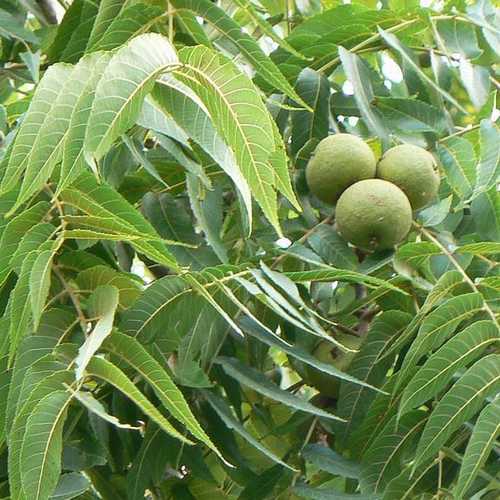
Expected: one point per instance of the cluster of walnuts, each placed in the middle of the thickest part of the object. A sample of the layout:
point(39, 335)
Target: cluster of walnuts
point(374, 201)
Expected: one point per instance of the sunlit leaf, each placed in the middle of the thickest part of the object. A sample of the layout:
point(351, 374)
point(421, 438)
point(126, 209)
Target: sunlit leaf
point(118, 98)
point(246, 44)
point(239, 116)
point(102, 305)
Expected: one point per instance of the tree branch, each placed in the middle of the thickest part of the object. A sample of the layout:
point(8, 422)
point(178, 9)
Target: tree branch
point(48, 10)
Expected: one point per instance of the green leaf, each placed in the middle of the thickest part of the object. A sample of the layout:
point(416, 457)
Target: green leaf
point(266, 27)
point(102, 201)
point(31, 240)
point(39, 284)
point(444, 287)
point(52, 138)
point(411, 115)
point(207, 207)
point(483, 14)
point(41, 451)
point(265, 483)
point(97, 408)
point(131, 351)
point(463, 348)
point(73, 161)
point(460, 403)
point(5, 378)
point(417, 253)
point(254, 379)
point(328, 460)
point(297, 352)
point(280, 300)
point(118, 99)
point(147, 461)
point(488, 170)
point(333, 274)
point(393, 42)
point(482, 440)
point(314, 89)
point(278, 160)
point(226, 415)
point(381, 462)
point(150, 314)
point(405, 485)
point(70, 485)
point(128, 285)
point(73, 32)
point(360, 75)
point(18, 437)
point(172, 220)
point(20, 306)
point(485, 210)
point(131, 21)
point(12, 29)
point(459, 163)
point(437, 213)
point(32, 61)
point(328, 494)
point(137, 153)
point(476, 80)
point(354, 400)
point(108, 11)
point(251, 50)
point(188, 23)
point(332, 248)
point(158, 117)
point(32, 349)
point(100, 368)
point(102, 305)
point(482, 248)
point(239, 116)
point(38, 117)
point(315, 38)
point(459, 38)
point(180, 103)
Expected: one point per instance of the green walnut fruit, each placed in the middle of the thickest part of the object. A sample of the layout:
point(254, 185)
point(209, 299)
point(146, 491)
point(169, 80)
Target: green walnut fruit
point(373, 214)
point(413, 169)
point(339, 161)
point(326, 384)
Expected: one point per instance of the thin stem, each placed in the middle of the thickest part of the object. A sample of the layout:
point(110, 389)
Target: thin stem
point(306, 440)
point(457, 266)
point(495, 82)
point(73, 297)
point(170, 22)
point(377, 36)
point(367, 42)
point(460, 132)
point(440, 475)
point(288, 9)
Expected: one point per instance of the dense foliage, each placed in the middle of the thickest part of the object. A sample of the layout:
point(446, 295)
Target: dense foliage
point(173, 296)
